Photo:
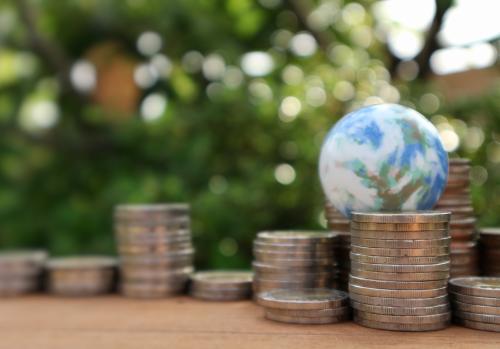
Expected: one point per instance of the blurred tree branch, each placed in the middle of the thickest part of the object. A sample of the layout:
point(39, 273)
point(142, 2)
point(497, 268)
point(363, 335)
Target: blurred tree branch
point(430, 44)
point(46, 49)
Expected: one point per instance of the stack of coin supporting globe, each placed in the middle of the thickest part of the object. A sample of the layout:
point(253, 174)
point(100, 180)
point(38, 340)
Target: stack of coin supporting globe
point(294, 260)
point(457, 200)
point(221, 285)
point(489, 242)
point(340, 225)
point(155, 248)
point(81, 276)
point(20, 272)
point(309, 306)
point(399, 270)
point(476, 302)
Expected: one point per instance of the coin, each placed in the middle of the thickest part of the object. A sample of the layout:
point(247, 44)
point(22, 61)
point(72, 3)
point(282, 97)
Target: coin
point(154, 249)
point(400, 302)
point(404, 319)
point(356, 257)
point(398, 226)
point(222, 279)
point(300, 248)
point(401, 311)
point(478, 325)
point(307, 299)
point(270, 254)
point(377, 292)
point(296, 262)
point(400, 243)
point(296, 237)
point(473, 308)
point(276, 269)
point(145, 273)
point(401, 327)
point(491, 319)
point(306, 320)
point(476, 286)
point(400, 235)
point(397, 285)
point(272, 284)
point(82, 262)
point(290, 277)
point(310, 312)
point(402, 268)
point(402, 252)
point(428, 276)
point(401, 217)
point(221, 296)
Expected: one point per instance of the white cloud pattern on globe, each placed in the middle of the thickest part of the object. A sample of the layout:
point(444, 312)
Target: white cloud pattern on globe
point(384, 157)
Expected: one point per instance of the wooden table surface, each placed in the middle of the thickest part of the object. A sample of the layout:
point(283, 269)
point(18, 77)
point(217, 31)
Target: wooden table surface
point(115, 322)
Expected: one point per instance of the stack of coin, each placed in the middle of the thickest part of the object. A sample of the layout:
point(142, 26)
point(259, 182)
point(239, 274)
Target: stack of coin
point(20, 272)
point(81, 276)
point(399, 270)
point(308, 306)
point(221, 285)
point(489, 241)
point(294, 260)
point(476, 302)
point(340, 225)
point(156, 252)
point(457, 200)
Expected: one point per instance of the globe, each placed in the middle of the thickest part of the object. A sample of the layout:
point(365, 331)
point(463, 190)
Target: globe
point(384, 157)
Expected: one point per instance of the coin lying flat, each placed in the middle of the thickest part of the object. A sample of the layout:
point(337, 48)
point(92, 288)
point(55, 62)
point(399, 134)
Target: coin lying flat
point(222, 279)
point(444, 242)
point(429, 276)
point(296, 237)
point(491, 319)
point(359, 257)
point(397, 285)
point(476, 286)
point(401, 217)
point(401, 252)
point(345, 310)
point(483, 326)
point(404, 319)
point(300, 248)
point(401, 268)
point(401, 327)
point(401, 311)
point(400, 235)
point(375, 292)
point(272, 254)
point(306, 320)
point(398, 226)
point(303, 299)
point(400, 302)
point(473, 308)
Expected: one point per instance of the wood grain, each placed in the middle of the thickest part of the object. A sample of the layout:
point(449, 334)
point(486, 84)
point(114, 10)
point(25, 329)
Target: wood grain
point(115, 322)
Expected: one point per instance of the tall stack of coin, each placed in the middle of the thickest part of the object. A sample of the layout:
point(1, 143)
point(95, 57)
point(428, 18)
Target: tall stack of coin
point(457, 200)
point(476, 302)
point(156, 252)
point(399, 270)
point(309, 306)
point(20, 272)
point(221, 285)
point(81, 276)
point(340, 225)
point(489, 242)
point(294, 260)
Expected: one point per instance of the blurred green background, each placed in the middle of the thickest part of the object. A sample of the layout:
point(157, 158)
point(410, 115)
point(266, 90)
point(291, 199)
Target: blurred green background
point(223, 104)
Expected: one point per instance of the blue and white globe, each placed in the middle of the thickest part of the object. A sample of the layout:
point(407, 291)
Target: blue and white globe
point(384, 157)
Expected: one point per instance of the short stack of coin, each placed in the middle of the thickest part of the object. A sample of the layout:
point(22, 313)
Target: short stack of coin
point(476, 302)
point(489, 242)
point(20, 272)
point(221, 285)
point(399, 270)
point(340, 225)
point(81, 276)
point(155, 248)
point(308, 306)
point(294, 260)
point(457, 200)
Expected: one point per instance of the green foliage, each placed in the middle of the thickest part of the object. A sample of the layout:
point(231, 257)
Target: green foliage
point(218, 145)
